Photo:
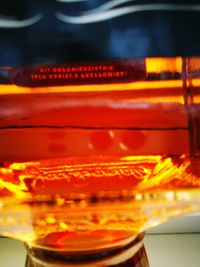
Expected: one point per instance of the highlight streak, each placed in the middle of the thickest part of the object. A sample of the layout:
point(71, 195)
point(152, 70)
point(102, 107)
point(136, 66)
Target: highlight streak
point(98, 17)
point(157, 85)
point(10, 23)
point(108, 6)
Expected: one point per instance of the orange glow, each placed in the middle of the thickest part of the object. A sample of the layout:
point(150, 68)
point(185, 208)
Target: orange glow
point(194, 64)
point(195, 82)
point(128, 192)
point(14, 89)
point(94, 176)
point(158, 65)
point(178, 84)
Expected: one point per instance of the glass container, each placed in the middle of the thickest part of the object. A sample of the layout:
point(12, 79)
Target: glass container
point(92, 155)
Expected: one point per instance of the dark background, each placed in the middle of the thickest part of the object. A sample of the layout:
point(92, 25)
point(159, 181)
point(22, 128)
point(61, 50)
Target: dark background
point(137, 35)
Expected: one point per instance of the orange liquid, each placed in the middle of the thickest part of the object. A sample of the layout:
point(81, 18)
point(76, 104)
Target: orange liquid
point(88, 166)
point(87, 202)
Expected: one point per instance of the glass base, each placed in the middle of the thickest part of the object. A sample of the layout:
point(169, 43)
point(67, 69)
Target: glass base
point(130, 255)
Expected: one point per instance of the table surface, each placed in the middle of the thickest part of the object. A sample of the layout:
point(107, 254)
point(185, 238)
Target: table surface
point(163, 250)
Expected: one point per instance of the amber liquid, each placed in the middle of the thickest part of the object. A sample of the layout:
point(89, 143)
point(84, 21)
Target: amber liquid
point(97, 165)
point(88, 201)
